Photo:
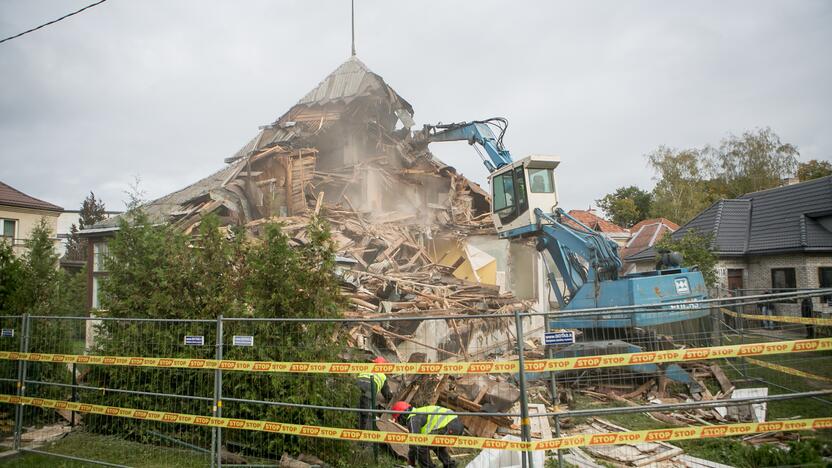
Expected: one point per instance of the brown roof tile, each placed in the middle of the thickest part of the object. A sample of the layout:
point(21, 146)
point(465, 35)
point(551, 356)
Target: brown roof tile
point(594, 222)
point(10, 196)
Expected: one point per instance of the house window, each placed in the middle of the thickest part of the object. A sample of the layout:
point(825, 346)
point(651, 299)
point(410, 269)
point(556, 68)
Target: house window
point(100, 253)
point(825, 281)
point(783, 278)
point(9, 226)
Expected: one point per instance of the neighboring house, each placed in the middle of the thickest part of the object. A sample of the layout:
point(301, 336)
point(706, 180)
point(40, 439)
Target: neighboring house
point(645, 234)
point(65, 222)
point(779, 238)
point(590, 219)
point(20, 213)
point(64, 229)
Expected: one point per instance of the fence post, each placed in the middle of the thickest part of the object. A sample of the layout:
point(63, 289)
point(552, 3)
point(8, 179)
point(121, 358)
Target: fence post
point(741, 329)
point(74, 381)
point(557, 435)
point(524, 401)
point(21, 381)
point(216, 436)
point(553, 383)
point(716, 323)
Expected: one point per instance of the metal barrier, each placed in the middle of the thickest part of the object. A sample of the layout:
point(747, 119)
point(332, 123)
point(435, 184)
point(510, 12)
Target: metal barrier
point(330, 399)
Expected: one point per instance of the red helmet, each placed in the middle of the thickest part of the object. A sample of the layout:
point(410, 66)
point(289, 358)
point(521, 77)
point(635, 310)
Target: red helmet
point(380, 360)
point(400, 407)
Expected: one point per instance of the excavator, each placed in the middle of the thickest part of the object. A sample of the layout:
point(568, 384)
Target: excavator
point(525, 206)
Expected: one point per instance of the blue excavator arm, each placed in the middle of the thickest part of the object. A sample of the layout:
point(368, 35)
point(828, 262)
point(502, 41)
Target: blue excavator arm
point(473, 132)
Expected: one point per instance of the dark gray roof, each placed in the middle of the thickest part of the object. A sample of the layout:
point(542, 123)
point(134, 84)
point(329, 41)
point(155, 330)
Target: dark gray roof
point(790, 217)
point(794, 218)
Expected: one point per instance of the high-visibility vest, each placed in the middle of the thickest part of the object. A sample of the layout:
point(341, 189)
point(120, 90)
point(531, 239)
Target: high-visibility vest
point(434, 421)
point(377, 379)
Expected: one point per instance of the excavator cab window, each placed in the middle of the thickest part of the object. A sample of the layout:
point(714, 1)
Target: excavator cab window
point(509, 194)
point(541, 180)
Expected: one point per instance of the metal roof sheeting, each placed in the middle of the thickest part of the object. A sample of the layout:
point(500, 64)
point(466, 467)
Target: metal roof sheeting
point(351, 80)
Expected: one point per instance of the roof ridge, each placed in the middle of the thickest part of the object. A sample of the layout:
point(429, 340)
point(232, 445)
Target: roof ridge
point(717, 222)
point(787, 187)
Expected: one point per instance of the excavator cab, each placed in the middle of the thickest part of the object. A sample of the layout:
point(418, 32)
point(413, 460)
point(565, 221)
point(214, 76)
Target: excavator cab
point(520, 187)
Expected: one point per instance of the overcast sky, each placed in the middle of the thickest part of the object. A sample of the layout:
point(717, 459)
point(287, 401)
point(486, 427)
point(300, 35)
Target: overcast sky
point(165, 90)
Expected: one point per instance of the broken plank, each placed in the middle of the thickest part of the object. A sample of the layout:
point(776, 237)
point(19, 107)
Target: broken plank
point(724, 383)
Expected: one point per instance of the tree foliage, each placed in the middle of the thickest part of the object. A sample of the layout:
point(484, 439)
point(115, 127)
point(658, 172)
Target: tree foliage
point(689, 180)
point(92, 211)
point(626, 206)
point(34, 285)
point(680, 174)
point(813, 169)
point(157, 272)
point(756, 160)
point(696, 250)
point(11, 278)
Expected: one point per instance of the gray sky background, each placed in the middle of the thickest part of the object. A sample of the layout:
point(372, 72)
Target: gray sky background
point(166, 89)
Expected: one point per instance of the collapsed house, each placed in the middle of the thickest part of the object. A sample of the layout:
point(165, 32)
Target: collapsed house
point(415, 237)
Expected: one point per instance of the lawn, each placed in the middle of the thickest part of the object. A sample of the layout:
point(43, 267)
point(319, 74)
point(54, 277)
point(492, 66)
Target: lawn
point(110, 449)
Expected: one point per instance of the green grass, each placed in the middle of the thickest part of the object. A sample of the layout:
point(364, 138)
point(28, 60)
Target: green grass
point(116, 450)
point(806, 452)
point(109, 449)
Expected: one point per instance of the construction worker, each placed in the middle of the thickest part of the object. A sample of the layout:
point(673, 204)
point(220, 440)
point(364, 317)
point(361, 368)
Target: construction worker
point(417, 422)
point(371, 384)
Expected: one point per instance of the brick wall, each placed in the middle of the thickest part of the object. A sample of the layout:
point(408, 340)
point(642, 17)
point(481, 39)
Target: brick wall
point(806, 275)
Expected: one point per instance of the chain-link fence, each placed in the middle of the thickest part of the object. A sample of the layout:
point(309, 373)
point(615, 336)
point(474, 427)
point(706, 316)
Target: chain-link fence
point(531, 405)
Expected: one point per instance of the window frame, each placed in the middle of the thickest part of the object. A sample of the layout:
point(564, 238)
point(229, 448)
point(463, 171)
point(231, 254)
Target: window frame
point(499, 181)
point(3, 228)
point(549, 175)
point(519, 194)
point(828, 298)
point(100, 252)
point(788, 272)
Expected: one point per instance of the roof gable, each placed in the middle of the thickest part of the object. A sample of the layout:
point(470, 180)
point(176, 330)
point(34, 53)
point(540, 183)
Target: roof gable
point(670, 224)
point(11, 196)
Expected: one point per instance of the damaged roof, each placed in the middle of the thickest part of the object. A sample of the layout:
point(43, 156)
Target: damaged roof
point(352, 115)
point(160, 210)
point(351, 80)
point(794, 218)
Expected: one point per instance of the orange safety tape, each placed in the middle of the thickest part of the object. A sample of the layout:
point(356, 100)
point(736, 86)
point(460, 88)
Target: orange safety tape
point(788, 370)
point(779, 318)
point(436, 440)
point(486, 367)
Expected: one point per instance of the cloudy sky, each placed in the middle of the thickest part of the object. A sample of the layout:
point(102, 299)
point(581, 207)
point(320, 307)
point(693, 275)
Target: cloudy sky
point(164, 90)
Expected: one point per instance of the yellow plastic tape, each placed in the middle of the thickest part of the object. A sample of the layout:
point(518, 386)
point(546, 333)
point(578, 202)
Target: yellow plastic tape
point(436, 440)
point(485, 367)
point(780, 318)
point(788, 370)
